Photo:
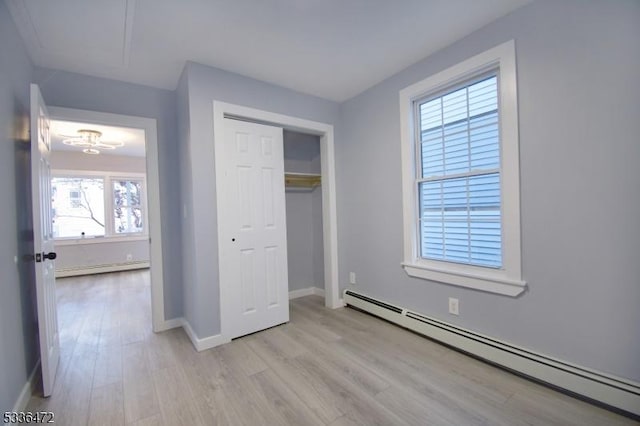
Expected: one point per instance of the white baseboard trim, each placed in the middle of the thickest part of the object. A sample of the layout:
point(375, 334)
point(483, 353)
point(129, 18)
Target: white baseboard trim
point(198, 343)
point(606, 389)
point(100, 269)
point(27, 390)
point(171, 324)
point(204, 343)
point(309, 291)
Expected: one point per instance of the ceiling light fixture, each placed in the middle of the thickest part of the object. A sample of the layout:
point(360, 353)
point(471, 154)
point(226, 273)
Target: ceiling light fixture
point(91, 141)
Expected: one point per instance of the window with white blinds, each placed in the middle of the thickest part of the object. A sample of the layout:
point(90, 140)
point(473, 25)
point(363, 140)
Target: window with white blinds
point(458, 178)
point(461, 175)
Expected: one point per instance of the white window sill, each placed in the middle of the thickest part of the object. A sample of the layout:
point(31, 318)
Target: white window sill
point(483, 282)
point(99, 240)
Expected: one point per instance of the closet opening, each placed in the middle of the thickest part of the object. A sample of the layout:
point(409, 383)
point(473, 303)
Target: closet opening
point(303, 197)
point(325, 133)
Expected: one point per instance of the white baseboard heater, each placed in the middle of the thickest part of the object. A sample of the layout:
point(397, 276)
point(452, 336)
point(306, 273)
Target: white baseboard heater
point(101, 269)
point(620, 394)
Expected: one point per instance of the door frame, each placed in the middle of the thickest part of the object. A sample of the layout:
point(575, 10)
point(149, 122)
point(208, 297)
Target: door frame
point(153, 193)
point(327, 159)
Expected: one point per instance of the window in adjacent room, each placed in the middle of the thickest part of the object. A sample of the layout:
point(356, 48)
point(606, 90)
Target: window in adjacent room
point(78, 206)
point(461, 175)
point(127, 206)
point(84, 207)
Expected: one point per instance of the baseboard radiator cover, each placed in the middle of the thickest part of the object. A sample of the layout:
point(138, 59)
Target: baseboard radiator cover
point(100, 269)
point(617, 393)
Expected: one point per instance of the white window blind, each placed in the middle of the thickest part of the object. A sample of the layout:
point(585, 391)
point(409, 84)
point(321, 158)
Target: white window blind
point(458, 180)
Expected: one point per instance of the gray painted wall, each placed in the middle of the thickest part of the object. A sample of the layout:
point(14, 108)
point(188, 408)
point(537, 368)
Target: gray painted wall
point(579, 107)
point(187, 236)
point(301, 152)
point(78, 91)
point(305, 239)
point(300, 240)
point(77, 254)
point(204, 84)
point(18, 331)
point(68, 160)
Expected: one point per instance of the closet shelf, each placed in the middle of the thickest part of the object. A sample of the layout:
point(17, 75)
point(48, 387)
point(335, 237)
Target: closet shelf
point(301, 180)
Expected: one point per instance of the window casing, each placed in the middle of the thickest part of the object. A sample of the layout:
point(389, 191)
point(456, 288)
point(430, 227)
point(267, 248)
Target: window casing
point(461, 175)
point(88, 205)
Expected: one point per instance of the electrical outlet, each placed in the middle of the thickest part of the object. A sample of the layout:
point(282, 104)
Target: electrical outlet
point(129, 257)
point(454, 306)
point(352, 277)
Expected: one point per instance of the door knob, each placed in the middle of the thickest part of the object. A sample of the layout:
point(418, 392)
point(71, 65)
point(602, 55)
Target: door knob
point(50, 256)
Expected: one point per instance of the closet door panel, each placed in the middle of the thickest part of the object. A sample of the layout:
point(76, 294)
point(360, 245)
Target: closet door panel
point(253, 266)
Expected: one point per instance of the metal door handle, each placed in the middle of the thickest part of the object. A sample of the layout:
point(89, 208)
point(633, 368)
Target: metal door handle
point(50, 256)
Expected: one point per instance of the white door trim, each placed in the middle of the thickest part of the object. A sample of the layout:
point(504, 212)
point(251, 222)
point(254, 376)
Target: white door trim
point(327, 157)
point(153, 193)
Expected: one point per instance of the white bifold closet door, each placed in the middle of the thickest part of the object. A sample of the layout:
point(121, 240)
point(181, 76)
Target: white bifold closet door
point(253, 261)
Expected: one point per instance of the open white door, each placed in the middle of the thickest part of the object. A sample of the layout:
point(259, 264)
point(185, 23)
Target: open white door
point(253, 258)
point(43, 240)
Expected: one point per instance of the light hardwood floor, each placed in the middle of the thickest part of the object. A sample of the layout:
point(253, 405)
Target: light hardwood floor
point(325, 367)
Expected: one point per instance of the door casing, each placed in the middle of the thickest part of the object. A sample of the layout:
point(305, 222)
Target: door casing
point(327, 159)
point(159, 322)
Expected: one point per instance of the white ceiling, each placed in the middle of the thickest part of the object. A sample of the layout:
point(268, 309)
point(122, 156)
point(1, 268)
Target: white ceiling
point(334, 49)
point(133, 139)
